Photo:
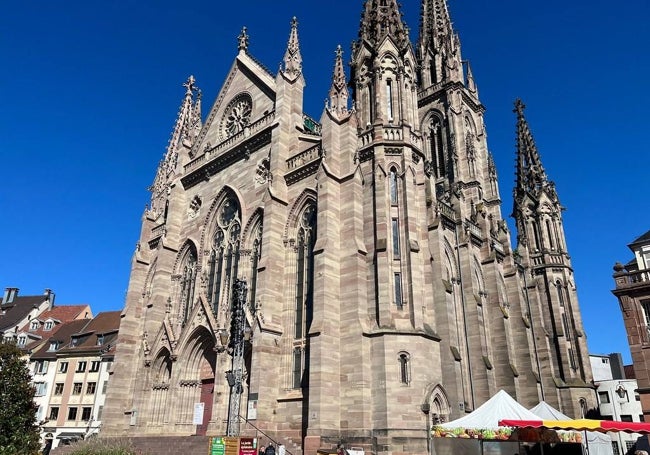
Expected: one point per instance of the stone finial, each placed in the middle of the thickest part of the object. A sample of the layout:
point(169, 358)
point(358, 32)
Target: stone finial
point(292, 59)
point(242, 40)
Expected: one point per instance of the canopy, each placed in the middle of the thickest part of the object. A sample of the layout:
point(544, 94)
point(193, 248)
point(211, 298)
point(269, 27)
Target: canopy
point(597, 443)
point(580, 425)
point(487, 416)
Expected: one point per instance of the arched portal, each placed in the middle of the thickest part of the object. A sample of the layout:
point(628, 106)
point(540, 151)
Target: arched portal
point(196, 381)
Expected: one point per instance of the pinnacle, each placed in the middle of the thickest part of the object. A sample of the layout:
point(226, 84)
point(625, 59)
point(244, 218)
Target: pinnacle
point(382, 18)
point(292, 58)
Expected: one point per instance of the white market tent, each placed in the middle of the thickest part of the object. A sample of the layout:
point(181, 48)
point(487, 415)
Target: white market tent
point(595, 442)
point(487, 416)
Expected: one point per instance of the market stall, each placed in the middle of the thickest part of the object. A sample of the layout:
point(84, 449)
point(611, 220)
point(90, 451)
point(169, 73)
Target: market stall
point(480, 433)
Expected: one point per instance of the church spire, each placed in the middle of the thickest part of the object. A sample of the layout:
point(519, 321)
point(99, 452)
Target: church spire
point(292, 58)
point(438, 49)
point(435, 26)
point(531, 176)
point(383, 18)
point(338, 102)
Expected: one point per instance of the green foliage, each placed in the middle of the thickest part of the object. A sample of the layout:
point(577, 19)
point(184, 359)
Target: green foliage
point(19, 434)
point(98, 446)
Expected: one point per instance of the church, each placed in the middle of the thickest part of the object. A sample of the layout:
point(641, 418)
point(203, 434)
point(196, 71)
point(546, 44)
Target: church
point(348, 279)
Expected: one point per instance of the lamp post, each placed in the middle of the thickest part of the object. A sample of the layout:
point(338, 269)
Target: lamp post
point(236, 375)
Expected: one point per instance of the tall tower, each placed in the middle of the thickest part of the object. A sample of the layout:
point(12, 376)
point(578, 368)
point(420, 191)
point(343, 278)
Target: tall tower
point(542, 250)
point(383, 294)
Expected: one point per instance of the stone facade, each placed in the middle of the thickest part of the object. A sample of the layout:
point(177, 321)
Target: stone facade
point(633, 293)
point(383, 293)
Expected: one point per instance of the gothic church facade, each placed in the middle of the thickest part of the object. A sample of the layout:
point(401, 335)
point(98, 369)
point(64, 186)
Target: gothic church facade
point(383, 293)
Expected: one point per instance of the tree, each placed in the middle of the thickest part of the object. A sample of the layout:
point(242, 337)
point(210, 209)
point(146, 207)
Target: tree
point(19, 434)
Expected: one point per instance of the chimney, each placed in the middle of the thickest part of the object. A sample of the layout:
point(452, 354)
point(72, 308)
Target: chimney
point(50, 296)
point(10, 295)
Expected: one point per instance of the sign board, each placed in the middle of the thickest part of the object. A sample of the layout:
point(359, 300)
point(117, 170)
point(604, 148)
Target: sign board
point(217, 446)
point(252, 409)
point(247, 446)
point(198, 413)
point(232, 446)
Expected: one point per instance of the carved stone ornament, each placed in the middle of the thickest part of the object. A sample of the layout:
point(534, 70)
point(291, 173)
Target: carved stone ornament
point(237, 115)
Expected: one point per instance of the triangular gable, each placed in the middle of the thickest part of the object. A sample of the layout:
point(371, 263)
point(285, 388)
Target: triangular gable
point(487, 416)
point(245, 76)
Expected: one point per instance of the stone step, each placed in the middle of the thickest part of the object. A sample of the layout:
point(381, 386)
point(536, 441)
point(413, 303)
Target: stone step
point(155, 445)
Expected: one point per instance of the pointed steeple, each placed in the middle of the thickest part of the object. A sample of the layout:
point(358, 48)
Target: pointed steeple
point(383, 18)
point(186, 128)
point(436, 31)
point(292, 58)
point(338, 102)
point(531, 176)
point(438, 49)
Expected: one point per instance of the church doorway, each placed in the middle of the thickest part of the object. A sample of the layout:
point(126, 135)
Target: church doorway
point(206, 397)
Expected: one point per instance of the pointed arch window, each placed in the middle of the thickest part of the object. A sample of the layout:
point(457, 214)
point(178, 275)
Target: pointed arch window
point(188, 280)
point(404, 368)
point(306, 238)
point(393, 186)
point(224, 255)
point(256, 253)
point(436, 144)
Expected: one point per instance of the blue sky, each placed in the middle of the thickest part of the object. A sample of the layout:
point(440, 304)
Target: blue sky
point(90, 90)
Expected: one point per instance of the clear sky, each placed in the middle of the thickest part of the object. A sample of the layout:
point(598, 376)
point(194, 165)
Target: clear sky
point(90, 90)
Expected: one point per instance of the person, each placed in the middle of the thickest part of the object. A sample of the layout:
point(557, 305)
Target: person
point(270, 450)
point(262, 450)
point(640, 452)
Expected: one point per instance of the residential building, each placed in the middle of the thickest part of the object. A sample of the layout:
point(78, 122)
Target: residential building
point(16, 311)
point(40, 328)
point(382, 289)
point(633, 292)
point(618, 398)
point(76, 362)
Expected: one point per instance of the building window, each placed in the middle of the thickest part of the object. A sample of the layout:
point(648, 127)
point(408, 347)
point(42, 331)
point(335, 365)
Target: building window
point(94, 366)
point(224, 257)
point(629, 445)
point(603, 397)
point(86, 413)
point(104, 387)
point(76, 388)
point(396, 249)
point(72, 413)
point(297, 368)
point(404, 367)
point(40, 367)
point(48, 325)
point(615, 448)
point(91, 387)
point(393, 186)
point(81, 367)
point(63, 367)
point(22, 340)
point(397, 285)
point(645, 305)
point(54, 413)
point(58, 388)
point(33, 325)
point(188, 279)
point(389, 100)
point(626, 418)
point(40, 388)
point(100, 340)
point(560, 293)
point(54, 345)
point(436, 144)
point(100, 410)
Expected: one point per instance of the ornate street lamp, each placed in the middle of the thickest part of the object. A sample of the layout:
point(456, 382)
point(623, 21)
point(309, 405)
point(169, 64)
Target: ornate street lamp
point(235, 376)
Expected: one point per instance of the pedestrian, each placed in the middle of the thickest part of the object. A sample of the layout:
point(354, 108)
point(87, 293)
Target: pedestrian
point(270, 450)
point(262, 450)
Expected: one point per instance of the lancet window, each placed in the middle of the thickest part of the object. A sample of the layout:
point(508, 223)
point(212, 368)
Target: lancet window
point(436, 146)
point(306, 237)
point(187, 282)
point(224, 255)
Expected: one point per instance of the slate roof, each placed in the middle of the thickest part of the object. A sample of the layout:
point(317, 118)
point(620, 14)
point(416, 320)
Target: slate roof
point(645, 238)
point(63, 335)
point(13, 313)
point(61, 314)
point(105, 325)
